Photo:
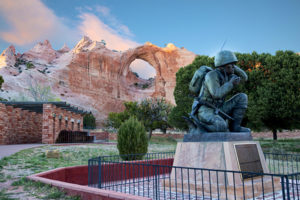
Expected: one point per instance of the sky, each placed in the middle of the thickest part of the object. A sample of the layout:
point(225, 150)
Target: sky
point(200, 26)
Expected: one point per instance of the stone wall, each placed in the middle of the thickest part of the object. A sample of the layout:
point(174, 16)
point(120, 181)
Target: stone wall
point(19, 126)
point(56, 119)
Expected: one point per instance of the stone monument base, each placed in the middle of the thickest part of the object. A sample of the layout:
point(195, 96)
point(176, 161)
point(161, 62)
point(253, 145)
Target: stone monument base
point(218, 137)
point(234, 156)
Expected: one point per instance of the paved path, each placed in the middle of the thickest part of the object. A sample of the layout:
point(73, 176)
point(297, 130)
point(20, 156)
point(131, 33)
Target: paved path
point(7, 150)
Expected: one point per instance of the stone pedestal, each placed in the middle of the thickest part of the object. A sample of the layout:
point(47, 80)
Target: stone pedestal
point(230, 156)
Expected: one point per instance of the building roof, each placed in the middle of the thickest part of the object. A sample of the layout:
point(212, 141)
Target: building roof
point(37, 107)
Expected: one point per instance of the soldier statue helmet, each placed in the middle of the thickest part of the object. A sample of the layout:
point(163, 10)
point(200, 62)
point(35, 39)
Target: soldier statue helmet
point(210, 110)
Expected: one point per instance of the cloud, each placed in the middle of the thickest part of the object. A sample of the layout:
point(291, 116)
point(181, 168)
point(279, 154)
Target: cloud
point(94, 28)
point(29, 21)
point(112, 20)
point(105, 11)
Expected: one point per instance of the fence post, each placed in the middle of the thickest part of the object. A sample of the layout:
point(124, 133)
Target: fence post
point(156, 182)
point(89, 173)
point(99, 172)
point(282, 187)
point(287, 187)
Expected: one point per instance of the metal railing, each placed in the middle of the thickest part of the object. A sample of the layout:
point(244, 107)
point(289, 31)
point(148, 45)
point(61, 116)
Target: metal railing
point(155, 177)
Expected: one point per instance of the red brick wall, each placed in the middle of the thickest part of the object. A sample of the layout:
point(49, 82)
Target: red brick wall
point(53, 124)
point(100, 135)
point(19, 126)
point(3, 124)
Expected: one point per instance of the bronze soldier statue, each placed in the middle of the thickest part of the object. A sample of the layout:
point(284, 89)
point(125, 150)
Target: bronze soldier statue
point(210, 111)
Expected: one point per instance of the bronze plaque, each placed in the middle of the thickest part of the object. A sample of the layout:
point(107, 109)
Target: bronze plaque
point(248, 159)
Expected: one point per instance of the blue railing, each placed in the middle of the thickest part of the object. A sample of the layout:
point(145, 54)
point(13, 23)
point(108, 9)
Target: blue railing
point(155, 177)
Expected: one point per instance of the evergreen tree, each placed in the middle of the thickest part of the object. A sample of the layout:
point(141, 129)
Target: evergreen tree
point(132, 139)
point(89, 121)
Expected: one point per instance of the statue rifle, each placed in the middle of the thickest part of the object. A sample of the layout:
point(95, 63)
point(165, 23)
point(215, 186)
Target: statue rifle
point(217, 110)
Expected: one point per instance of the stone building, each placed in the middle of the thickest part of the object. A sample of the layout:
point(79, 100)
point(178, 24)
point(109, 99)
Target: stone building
point(37, 122)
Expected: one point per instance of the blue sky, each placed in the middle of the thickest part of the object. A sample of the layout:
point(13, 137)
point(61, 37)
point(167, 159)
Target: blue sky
point(200, 26)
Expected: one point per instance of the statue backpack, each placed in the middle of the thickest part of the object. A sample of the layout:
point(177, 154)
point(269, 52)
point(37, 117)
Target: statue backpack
point(197, 80)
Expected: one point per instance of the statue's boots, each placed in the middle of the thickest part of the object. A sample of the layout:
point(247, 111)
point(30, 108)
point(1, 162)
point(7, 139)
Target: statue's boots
point(238, 115)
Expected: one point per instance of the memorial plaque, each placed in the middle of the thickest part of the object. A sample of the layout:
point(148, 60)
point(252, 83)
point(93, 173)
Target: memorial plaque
point(248, 159)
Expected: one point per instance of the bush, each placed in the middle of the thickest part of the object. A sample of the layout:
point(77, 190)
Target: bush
point(1, 81)
point(89, 121)
point(132, 139)
point(29, 65)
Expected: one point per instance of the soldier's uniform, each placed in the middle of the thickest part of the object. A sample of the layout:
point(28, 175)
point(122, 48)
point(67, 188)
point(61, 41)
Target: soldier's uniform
point(215, 87)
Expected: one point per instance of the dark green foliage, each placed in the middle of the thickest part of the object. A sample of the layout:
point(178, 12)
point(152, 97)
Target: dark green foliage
point(132, 139)
point(89, 121)
point(181, 93)
point(272, 89)
point(146, 85)
point(1, 81)
point(29, 65)
point(275, 98)
point(152, 112)
point(116, 119)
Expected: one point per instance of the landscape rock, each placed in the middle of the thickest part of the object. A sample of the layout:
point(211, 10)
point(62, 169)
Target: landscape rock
point(41, 52)
point(8, 57)
point(52, 153)
point(98, 79)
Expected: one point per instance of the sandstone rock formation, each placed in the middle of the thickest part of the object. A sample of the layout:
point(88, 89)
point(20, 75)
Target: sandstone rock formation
point(99, 79)
point(8, 57)
point(64, 49)
point(42, 52)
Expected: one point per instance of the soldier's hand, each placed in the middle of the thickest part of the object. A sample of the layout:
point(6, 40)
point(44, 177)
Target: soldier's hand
point(235, 80)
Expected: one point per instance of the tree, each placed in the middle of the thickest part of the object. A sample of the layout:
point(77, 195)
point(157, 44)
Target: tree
point(181, 92)
point(275, 101)
point(116, 119)
point(89, 121)
point(132, 139)
point(272, 89)
point(40, 93)
point(152, 112)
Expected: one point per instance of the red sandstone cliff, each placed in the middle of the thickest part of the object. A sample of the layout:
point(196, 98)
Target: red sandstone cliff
point(96, 78)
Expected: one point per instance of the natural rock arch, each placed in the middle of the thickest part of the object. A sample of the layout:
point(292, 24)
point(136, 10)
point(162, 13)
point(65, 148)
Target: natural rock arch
point(102, 76)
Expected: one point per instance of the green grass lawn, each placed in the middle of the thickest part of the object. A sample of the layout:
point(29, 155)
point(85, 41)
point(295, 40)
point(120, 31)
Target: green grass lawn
point(280, 145)
point(14, 168)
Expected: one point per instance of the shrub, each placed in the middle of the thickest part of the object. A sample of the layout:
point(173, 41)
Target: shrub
point(89, 121)
point(1, 81)
point(29, 65)
point(132, 139)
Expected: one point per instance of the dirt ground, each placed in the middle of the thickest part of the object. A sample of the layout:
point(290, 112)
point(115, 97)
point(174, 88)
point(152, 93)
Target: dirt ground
point(283, 134)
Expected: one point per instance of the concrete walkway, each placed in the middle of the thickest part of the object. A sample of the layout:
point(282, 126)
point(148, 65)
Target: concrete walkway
point(7, 150)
